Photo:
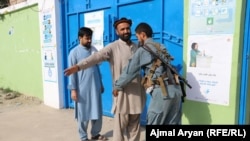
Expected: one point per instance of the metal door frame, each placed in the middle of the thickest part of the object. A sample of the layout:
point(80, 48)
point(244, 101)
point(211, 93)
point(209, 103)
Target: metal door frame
point(245, 68)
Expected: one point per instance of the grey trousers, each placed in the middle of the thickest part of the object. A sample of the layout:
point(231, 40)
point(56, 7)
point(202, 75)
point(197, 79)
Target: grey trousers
point(164, 110)
point(95, 129)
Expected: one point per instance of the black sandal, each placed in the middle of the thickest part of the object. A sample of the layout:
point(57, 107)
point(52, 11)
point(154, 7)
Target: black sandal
point(99, 137)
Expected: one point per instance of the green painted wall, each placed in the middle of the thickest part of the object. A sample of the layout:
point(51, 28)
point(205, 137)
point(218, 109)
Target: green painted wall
point(20, 51)
point(206, 113)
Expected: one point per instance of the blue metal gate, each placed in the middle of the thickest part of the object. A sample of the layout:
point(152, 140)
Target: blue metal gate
point(245, 69)
point(163, 15)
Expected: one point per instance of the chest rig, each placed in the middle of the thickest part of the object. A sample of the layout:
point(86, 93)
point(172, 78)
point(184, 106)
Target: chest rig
point(166, 78)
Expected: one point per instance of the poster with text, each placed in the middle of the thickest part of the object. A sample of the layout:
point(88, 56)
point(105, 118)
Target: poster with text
point(209, 59)
point(48, 36)
point(94, 20)
point(49, 63)
point(211, 16)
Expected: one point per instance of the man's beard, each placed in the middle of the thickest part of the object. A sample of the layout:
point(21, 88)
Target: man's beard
point(125, 37)
point(87, 45)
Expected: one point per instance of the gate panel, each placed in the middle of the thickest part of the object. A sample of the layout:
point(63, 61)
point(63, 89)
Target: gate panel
point(73, 6)
point(173, 30)
point(72, 33)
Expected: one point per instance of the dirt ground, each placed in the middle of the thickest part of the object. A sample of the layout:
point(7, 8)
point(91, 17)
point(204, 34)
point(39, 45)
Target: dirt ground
point(26, 118)
point(16, 99)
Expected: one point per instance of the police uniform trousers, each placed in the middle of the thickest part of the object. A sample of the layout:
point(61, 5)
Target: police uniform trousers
point(164, 110)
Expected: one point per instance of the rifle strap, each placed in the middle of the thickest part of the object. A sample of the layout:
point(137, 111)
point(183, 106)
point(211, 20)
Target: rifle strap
point(163, 87)
point(176, 78)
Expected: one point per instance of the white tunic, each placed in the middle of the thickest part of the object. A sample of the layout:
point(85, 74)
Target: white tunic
point(117, 53)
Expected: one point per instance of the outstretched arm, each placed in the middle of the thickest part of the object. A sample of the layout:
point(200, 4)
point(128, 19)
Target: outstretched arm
point(97, 57)
point(71, 70)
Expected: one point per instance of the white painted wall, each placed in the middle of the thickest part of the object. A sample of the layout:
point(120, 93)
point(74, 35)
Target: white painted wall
point(50, 34)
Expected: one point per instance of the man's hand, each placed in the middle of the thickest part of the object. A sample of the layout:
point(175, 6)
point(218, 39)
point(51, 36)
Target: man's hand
point(70, 70)
point(115, 93)
point(74, 95)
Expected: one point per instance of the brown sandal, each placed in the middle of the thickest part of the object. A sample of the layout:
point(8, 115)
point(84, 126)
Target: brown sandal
point(99, 137)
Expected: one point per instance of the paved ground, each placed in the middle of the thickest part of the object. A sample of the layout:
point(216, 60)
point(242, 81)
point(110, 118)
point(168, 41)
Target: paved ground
point(38, 122)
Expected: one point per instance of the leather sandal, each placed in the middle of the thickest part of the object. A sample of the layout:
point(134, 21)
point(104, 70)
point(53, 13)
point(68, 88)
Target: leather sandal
point(99, 137)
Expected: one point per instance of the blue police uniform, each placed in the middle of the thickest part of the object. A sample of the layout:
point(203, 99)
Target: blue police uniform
point(163, 108)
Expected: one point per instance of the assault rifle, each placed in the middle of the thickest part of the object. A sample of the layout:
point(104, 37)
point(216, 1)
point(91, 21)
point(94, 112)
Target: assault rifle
point(173, 70)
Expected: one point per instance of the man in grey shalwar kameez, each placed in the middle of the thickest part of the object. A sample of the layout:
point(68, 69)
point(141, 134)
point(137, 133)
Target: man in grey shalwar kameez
point(86, 88)
point(163, 109)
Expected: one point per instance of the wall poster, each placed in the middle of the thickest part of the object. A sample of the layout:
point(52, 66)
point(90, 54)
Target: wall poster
point(49, 63)
point(95, 21)
point(209, 50)
point(211, 16)
point(49, 56)
point(210, 75)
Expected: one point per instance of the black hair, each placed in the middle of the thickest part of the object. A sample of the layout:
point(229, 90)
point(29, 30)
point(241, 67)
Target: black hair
point(85, 31)
point(193, 45)
point(144, 27)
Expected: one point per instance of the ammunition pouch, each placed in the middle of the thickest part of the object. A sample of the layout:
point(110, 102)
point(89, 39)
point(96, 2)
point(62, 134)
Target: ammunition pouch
point(147, 82)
